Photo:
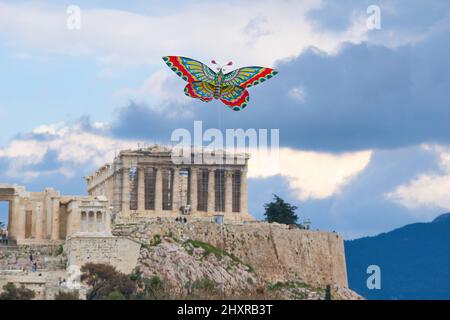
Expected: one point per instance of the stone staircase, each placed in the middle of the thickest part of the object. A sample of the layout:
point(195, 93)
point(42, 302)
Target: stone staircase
point(17, 258)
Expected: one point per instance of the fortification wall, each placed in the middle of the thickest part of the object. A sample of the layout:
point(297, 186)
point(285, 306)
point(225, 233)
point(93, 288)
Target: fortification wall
point(275, 252)
point(118, 252)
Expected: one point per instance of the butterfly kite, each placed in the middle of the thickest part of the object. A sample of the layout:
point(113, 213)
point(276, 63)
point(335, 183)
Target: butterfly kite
point(205, 84)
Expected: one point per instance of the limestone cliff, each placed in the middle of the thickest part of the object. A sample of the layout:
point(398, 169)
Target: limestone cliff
point(183, 264)
point(257, 260)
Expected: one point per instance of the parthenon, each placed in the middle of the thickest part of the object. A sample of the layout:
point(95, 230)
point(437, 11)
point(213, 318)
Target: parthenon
point(147, 183)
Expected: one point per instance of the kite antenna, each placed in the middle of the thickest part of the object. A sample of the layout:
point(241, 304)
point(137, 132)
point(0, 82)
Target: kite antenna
point(218, 65)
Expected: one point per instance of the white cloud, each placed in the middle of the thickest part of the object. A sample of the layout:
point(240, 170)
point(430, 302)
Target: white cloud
point(312, 175)
point(250, 32)
point(162, 92)
point(72, 145)
point(430, 189)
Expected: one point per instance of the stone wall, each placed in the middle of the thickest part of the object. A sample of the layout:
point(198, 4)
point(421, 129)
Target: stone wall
point(274, 251)
point(17, 258)
point(15, 267)
point(118, 252)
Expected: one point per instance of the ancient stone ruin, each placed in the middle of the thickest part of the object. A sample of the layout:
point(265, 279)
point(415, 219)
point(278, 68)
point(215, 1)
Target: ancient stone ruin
point(146, 183)
point(142, 196)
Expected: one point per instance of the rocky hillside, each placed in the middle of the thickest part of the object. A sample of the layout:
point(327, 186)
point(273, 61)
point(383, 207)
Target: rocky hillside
point(185, 263)
point(276, 252)
point(181, 264)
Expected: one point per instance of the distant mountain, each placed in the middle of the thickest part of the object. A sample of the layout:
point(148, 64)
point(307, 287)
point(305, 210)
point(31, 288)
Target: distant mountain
point(414, 261)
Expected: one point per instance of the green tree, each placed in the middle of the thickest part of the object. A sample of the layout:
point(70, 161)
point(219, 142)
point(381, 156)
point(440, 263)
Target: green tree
point(104, 279)
point(73, 295)
point(115, 295)
point(280, 211)
point(204, 288)
point(11, 292)
point(328, 293)
point(154, 288)
point(2, 225)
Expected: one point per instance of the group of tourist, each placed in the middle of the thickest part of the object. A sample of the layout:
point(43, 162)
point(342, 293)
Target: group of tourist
point(33, 263)
point(4, 236)
point(181, 219)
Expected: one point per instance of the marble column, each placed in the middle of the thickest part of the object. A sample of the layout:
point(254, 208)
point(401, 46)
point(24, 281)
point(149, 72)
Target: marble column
point(38, 222)
point(141, 189)
point(193, 189)
point(125, 191)
point(99, 221)
point(228, 191)
point(107, 222)
point(84, 223)
point(243, 200)
point(91, 221)
point(116, 200)
point(75, 224)
point(158, 190)
point(12, 217)
point(21, 222)
point(77, 220)
point(176, 190)
point(55, 219)
point(48, 216)
point(211, 191)
point(14, 227)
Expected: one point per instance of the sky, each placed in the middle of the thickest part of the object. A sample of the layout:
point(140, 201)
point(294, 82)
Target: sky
point(363, 113)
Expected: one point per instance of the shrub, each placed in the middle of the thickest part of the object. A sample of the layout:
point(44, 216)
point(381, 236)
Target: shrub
point(60, 250)
point(154, 288)
point(11, 292)
point(115, 295)
point(328, 293)
point(156, 240)
point(104, 279)
point(71, 295)
point(202, 289)
point(136, 276)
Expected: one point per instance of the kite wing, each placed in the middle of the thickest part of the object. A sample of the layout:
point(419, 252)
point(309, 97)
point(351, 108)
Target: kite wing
point(200, 90)
point(248, 76)
point(235, 97)
point(190, 70)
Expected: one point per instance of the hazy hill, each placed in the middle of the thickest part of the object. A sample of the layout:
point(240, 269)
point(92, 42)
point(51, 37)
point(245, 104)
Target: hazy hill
point(414, 261)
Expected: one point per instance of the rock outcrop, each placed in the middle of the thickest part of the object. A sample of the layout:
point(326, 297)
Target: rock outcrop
point(182, 264)
point(257, 260)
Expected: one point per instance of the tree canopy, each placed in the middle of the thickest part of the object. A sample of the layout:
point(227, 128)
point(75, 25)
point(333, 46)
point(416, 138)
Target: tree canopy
point(106, 282)
point(11, 292)
point(280, 211)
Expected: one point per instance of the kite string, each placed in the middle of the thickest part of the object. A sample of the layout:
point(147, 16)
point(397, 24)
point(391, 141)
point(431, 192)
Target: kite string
point(221, 200)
